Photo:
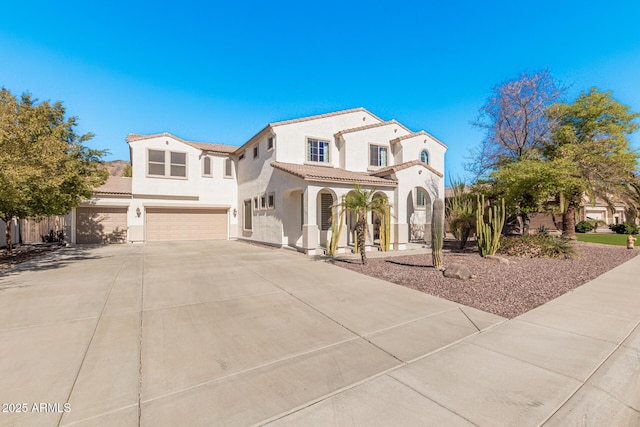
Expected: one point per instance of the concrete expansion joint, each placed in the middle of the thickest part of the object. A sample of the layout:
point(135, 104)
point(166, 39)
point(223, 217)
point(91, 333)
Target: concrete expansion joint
point(93, 334)
point(583, 383)
point(253, 368)
point(140, 338)
point(434, 401)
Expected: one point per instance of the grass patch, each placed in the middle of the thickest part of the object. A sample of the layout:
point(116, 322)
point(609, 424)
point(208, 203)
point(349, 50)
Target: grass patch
point(605, 239)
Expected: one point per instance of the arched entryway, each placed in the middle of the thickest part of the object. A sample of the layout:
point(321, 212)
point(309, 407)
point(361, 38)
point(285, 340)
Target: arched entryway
point(326, 199)
point(419, 215)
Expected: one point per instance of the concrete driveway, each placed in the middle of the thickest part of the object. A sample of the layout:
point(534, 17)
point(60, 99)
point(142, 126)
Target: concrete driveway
point(211, 333)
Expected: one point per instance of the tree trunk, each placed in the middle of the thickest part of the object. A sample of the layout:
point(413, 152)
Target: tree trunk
point(8, 233)
point(526, 223)
point(569, 221)
point(360, 227)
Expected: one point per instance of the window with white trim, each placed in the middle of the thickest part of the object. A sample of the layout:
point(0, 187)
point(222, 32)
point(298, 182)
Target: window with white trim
point(271, 200)
point(270, 143)
point(424, 156)
point(263, 202)
point(206, 166)
point(255, 151)
point(377, 155)
point(156, 163)
point(317, 151)
point(166, 163)
point(256, 203)
point(241, 156)
point(247, 215)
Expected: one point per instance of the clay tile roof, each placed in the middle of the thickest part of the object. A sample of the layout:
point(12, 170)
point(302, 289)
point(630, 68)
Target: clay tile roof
point(322, 116)
point(204, 146)
point(373, 125)
point(330, 174)
point(414, 134)
point(395, 168)
point(213, 148)
point(115, 185)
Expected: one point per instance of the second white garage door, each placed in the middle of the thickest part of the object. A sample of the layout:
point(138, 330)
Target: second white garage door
point(185, 224)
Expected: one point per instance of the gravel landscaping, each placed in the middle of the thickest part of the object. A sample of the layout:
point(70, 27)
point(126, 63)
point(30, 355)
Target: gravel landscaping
point(505, 290)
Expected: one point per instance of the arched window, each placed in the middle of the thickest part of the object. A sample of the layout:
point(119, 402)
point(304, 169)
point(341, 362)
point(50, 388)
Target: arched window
point(206, 166)
point(424, 156)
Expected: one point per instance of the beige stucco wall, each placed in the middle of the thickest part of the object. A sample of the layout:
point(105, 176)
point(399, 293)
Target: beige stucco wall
point(194, 191)
point(356, 146)
point(291, 139)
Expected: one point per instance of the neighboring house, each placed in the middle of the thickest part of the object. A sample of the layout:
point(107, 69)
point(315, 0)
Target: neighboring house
point(277, 188)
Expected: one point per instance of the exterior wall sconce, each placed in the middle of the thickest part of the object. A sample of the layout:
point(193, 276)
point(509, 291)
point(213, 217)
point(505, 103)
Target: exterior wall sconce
point(235, 212)
point(138, 212)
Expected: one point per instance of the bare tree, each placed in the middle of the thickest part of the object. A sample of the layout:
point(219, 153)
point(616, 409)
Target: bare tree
point(515, 120)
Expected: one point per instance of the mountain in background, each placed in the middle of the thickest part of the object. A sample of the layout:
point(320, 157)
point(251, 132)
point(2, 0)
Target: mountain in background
point(117, 167)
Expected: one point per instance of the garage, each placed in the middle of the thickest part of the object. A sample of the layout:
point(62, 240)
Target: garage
point(185, 224)
point(98, 224)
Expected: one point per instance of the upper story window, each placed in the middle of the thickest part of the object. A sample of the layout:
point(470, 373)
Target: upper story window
point(377, 155)
point(255, 151)
point(167, 163)
point(241, 156)
point(228, 168)
point(317, 151)
point(178, 164)
point(206, 166)
point(271, 200)
point(424, 156)
point(270, 143)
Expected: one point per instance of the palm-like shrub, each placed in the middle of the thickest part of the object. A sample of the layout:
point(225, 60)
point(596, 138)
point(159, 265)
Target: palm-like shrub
point(460, 213)
point(361, 202)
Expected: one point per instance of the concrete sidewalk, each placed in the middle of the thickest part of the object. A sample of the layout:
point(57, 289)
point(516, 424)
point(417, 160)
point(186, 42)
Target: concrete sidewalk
point(572, 362)
point(224, 333)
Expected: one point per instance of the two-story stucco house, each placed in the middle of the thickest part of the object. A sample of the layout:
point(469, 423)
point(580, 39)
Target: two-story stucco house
point(276, 188)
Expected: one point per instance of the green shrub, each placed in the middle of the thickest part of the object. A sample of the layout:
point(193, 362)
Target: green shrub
point(584, 227)
point(624, 228)
point(536, 246)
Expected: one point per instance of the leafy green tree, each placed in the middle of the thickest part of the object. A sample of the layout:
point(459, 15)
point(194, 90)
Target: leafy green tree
point(44, 167)
point(525, 186)
point(590, 149)
point(361, 202)
point(127, 172)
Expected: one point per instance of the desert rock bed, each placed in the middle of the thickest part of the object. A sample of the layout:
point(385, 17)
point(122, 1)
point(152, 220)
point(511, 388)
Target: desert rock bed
point(505, 290)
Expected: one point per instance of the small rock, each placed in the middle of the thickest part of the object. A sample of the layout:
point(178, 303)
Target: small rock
point(458, 271)
point(499, 259)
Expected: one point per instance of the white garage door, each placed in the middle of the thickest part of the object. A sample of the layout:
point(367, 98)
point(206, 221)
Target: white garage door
point(101, 225)
point(185, 224)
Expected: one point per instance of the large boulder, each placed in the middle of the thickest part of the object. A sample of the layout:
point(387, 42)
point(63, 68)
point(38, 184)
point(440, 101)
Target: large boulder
point(497, 259)
point(458, 271)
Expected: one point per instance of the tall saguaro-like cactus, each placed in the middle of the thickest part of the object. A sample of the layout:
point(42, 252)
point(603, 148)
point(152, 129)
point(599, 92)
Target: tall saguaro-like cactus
point(437, 232)
point(488, 233)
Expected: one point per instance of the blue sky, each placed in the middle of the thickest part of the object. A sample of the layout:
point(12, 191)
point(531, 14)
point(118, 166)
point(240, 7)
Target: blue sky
point(220, 72)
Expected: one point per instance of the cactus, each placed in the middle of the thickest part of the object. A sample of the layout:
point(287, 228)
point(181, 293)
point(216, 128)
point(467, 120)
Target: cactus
point(437, 233)
point(488, 233)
